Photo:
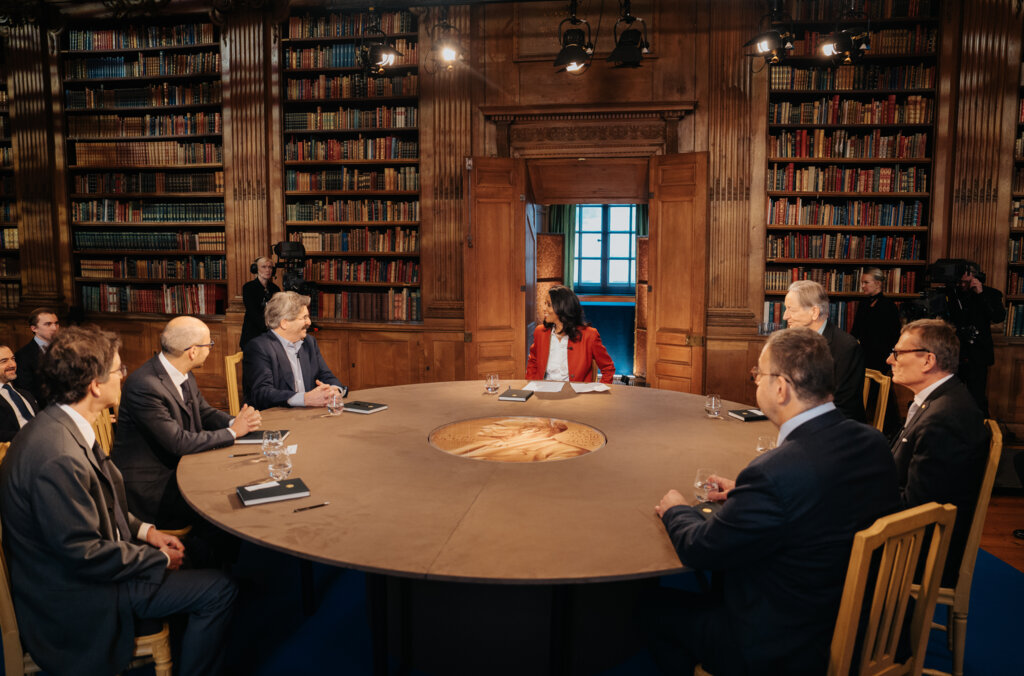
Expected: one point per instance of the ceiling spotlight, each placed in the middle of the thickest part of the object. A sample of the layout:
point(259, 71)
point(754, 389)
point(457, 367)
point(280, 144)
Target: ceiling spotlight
point(374, 53)
point(446, 48)
point(775, 36)
point(577, 47)
point(631, 44)
point(852, 37)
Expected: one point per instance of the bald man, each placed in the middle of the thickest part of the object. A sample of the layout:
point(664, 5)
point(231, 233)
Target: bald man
point(163, 416)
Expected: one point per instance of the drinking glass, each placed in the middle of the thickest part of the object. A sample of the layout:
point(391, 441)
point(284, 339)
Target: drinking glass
point(765, 442)
point(279, 463)
point(712, 405)
point(335, 404)
point(492, 383)
point(701, 483)
point(271, 441)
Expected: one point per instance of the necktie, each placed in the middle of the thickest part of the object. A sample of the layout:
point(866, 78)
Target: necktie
point(914, 408)
point(191, 403)
point(119, 518)
point(19, 401)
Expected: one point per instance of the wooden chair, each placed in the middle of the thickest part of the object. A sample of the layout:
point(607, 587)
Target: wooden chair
point(884, 384)
point(104, 429)
point(3, 449)
point(958, 598)
point(155, 648)
point(231, 374)
point(900, 538)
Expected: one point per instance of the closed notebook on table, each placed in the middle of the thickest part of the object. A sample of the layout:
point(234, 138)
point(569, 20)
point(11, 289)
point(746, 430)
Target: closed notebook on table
point(515, 395)
point(256, 437)
point(272, 491)
point(748, 414)
point(364, 407)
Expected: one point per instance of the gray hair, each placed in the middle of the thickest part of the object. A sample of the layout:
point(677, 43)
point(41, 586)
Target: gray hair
point(180, 334)
point(810, 294)
point(284, 306)
point(875, 274)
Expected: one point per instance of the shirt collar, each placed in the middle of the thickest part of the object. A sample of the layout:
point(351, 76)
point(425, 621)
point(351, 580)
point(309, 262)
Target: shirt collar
point(821, 331)
point(289, 345)
point(800, 418)
point(922, 396)
point(83, 425)
point(41, 343)
point(177, 377)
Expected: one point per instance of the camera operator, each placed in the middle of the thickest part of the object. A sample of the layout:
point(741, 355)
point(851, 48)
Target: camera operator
point(973, 308)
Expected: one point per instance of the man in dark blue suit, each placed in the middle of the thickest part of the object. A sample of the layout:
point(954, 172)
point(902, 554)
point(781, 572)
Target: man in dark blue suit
point(284, 367)
point(780, 543)
point(17, 406)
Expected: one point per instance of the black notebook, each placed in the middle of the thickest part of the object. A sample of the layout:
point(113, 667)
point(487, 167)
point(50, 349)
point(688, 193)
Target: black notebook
point(748, 414)
point(272, 491)
point(515, 395)
point(364, 407)
point(257, 437)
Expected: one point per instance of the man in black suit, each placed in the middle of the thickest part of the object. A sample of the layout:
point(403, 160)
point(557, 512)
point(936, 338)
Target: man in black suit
point(284, 367)
point(973, 308)
point(82, 566)
point(942, 450)
point(17, 406)
point(44, 324)
point(807, 307)
point(781, 542)
point(163, 416)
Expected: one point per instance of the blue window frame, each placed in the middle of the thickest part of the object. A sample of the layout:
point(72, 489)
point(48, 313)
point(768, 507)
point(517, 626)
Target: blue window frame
point(604, 260)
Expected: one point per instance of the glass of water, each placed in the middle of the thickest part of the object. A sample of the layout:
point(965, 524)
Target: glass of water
point(765, 442)
point(271, 441)
point(702, 484)
point(492, 383)
point(335, 404)
point(279, 464)
point(712, 405)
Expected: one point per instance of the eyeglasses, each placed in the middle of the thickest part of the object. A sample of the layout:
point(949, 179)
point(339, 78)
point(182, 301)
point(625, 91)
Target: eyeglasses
point(210, 344)
point(896, 353)
point(122, 369)
point(756, 373)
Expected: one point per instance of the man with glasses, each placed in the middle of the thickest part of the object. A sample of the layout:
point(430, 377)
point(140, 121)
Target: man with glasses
point(163, 416)
point(83, 566)
point(941, 451)
point(781, 541)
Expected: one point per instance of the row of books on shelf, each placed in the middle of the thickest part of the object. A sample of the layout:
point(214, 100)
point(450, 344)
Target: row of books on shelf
point(1016, 250)
point(6, 156)
point(844, 247)
point(189, 268)
point(905, 109)
point(381, 117)
point(370, 270)
point(835, 280)
point(372, 148)
point(849, 77)
point(134, 211)
point(141, 153)
point(162, 94)
point(385, 178)
point(393, 305)
point(8, 211)
point(381, 240)
point(819, 143)
point(345, 55)
point(143, 65)
point(150, 241)
point(855, 213)
point(1014, 325)
point(114, 126)
point(9, 239)
point(824, 10)
point(1018, 182)
point(144, 181)
point(132, 36)
point(10, 295)
point(840, 313)
point(346, 25)
point(1018, 145)
point(917, 40)
point(192, 299)
point(9, 266)
point(1015, 284)
point(349, 86)
point(3, 96)
point(353, 210)
point(835, 178)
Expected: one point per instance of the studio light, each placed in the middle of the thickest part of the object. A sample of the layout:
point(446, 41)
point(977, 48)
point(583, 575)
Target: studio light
point(446, 48)
point(631, 43)
point(775, 38)
point(577, 47)
point(374, 53)
point(852, 37)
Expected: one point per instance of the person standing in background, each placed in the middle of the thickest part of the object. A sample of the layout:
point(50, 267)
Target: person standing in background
point(44, 324)
point(877, 322)
point(255, 294)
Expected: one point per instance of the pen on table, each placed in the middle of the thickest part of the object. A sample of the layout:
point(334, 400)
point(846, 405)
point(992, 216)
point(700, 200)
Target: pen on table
point(303, 509)
point(240, 455)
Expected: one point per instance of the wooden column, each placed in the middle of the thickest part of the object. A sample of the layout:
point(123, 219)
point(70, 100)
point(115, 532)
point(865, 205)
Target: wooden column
point(39, 199)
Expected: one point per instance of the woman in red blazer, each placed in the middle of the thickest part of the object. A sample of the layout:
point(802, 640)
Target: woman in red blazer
point(576, 344)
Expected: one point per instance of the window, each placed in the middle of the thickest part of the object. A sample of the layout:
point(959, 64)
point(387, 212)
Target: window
point(605, 254)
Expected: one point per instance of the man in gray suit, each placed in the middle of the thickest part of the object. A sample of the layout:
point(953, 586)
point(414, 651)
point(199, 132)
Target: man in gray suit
point(163, 417)
point(82, 566)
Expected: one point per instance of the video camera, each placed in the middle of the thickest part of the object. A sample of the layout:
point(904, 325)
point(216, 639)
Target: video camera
point(291, 258)
point(936, 302)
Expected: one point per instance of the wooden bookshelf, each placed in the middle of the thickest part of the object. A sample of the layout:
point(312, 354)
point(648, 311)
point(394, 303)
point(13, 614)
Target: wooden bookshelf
point(143, 123)
point(351, 174)
point(1014, 325)
point(850, 150)
point(10, 263)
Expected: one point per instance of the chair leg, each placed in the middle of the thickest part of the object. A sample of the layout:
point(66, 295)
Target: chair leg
point(959, 634)
point(162, 665)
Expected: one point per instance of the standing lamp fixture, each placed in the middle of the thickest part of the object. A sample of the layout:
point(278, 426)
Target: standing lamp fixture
point(446, 45)
point(852, 37)
point(631, 44)
point(374, 52)
point(577, 47)
point(775, 37)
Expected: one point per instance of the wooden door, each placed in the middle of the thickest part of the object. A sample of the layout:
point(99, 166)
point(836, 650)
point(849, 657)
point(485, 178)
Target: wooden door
point(496, 268)
point(384, 358)
point(677, 286)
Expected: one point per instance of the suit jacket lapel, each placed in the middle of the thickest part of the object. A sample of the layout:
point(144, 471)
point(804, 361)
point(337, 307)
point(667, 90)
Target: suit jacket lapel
point(306, 363)
point(173, 391)
point(282, 368)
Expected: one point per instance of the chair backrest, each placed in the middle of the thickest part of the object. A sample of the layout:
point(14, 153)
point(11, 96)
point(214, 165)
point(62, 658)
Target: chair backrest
point(104, 430)
point(963, 582)
point(14, 655)
point(884, 385)
point(901, 538)
point(231, 375)
point(3, 449)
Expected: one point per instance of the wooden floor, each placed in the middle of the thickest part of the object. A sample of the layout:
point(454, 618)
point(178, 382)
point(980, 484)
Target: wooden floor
point(1005, 514)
